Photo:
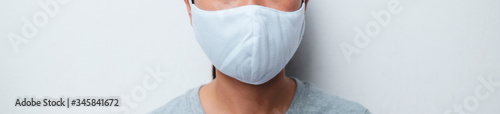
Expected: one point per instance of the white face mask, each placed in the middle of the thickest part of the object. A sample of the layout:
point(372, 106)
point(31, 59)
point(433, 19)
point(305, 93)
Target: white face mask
point(249, 43)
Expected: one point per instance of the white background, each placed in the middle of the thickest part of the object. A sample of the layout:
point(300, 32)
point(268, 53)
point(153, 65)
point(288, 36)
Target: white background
point(429, 58)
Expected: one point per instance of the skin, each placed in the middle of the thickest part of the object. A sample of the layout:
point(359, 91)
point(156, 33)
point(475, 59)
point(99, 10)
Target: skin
point(226, 95)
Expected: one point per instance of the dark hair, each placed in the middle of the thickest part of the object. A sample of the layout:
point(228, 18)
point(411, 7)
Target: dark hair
point(213, 72)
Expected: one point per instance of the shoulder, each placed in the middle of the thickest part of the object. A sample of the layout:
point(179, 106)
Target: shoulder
point(316, 101)
point(180, 104)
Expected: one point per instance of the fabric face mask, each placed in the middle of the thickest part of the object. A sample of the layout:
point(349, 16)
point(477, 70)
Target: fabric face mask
point(250, 43)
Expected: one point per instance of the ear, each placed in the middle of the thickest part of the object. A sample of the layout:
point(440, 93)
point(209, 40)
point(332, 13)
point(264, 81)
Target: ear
point(188, 6)
point(307, 1)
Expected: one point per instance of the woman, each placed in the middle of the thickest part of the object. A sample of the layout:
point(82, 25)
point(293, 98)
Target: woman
point(249, 42)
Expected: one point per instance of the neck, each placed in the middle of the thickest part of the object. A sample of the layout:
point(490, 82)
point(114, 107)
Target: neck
point(226, 94)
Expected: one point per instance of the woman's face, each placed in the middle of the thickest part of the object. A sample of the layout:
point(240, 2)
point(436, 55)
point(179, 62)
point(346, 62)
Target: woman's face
point(282, 5)
point(214, 5)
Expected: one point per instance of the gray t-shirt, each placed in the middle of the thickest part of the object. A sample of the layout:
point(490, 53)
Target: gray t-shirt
point(307, 100)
